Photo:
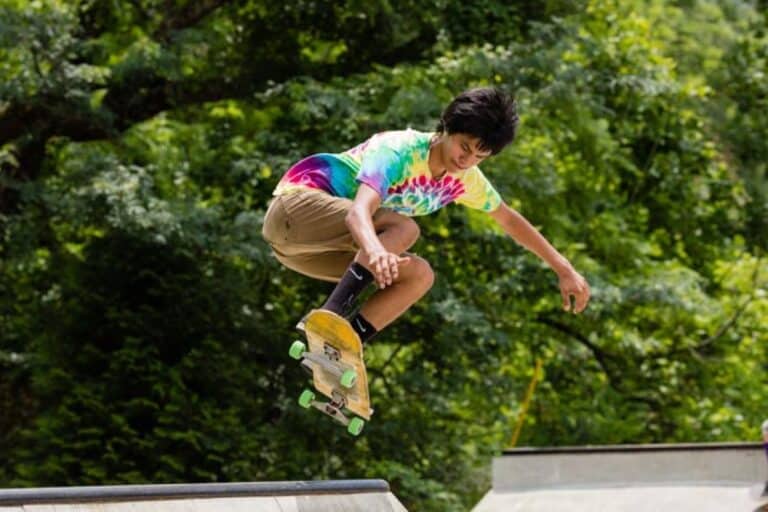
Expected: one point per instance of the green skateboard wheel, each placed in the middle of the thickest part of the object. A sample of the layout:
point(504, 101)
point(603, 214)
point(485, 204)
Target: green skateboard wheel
point(355, 426)
point(297, 349)
point(348, 379)
point(305, 400)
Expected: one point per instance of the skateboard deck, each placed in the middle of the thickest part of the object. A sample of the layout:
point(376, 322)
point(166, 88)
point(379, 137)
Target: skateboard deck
point(334, 353)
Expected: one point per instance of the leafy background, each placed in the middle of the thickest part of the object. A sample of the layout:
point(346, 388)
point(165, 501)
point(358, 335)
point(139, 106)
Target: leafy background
point(145, 324)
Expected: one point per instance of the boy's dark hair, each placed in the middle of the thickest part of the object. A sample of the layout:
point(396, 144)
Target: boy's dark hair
point(486, 113)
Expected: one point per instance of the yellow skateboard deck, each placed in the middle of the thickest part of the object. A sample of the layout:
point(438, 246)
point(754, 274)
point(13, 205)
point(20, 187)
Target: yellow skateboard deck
point(334, 349)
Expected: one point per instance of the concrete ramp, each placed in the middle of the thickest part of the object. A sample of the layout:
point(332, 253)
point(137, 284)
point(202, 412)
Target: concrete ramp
point(314, 496)
point(681, 478)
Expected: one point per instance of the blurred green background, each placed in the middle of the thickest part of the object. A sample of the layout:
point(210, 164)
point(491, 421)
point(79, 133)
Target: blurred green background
point(144, 326)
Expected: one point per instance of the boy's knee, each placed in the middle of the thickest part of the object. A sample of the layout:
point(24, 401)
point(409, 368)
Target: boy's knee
point(405, 229)
point(411, 231)
point(423, 272)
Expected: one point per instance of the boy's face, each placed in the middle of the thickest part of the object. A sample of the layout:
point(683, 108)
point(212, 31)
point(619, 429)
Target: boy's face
point(461, 151)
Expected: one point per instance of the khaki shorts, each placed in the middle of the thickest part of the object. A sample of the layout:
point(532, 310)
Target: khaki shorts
point(308, 234)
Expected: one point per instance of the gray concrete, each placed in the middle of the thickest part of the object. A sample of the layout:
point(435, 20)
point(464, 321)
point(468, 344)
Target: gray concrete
point(725, 463)
point(315, 496)
point(700, 477)
point(634, 499)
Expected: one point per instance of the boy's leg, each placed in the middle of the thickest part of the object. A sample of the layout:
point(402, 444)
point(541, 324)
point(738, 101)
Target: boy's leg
point(383, 307)
point(353, 282)
point(308, 234)
point(415, 278)
point(398, 234)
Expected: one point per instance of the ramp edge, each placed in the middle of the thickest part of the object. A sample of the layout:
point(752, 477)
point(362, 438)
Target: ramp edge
point(112, 493)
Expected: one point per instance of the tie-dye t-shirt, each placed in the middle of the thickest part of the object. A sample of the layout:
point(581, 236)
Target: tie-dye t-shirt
point(394, 164)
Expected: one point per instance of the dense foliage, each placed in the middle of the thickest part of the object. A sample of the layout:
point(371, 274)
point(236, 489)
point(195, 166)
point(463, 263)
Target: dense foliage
point(145, 324)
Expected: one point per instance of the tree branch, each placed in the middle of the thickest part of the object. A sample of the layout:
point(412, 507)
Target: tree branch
point(730, 322)
point(380, 371)
point(29, 155)
point(52, 116)
point(600, 355)
point(187, 16)
point(17, 119)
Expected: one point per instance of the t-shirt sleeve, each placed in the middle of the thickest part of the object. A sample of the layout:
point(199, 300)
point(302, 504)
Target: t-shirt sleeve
point(478, 192)
point(379, 168)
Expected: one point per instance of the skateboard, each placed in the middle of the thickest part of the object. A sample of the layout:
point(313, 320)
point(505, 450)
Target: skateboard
point(334, 354)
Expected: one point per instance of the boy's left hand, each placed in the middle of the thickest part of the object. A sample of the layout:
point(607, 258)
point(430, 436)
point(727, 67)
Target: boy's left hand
point(573, 284)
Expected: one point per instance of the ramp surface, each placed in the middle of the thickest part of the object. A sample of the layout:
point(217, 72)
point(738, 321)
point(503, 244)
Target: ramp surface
point(681, 478)
point(315, 496)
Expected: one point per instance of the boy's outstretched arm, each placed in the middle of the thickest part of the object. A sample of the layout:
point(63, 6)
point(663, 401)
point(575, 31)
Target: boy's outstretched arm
point(572, 284)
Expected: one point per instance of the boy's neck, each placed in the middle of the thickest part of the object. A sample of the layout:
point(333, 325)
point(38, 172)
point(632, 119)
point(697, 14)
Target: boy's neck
point(435, 159)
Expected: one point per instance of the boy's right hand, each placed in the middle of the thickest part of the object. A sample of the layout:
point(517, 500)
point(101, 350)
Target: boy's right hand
point(385, 266)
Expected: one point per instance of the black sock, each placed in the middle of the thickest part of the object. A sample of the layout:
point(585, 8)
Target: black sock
point(363, 328)
point(342, 298)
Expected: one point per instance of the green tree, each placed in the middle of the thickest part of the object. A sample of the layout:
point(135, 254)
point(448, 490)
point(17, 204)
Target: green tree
point(145, 323)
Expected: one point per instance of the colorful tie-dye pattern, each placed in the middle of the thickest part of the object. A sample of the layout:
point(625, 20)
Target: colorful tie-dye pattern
point(395, 165)
point(422, 194)
point(324, 171)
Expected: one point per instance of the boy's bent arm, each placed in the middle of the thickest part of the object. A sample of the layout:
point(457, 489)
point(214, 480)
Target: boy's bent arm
point(359, 219)
point(376, 258)
point(518, 227)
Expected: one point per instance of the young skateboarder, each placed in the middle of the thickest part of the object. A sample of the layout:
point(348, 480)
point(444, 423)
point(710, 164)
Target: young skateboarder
point(348, 217)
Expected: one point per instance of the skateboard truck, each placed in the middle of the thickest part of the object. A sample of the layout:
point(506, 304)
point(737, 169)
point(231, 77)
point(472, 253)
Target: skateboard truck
point(334, 409)
point(331, 353)
point(330, 362)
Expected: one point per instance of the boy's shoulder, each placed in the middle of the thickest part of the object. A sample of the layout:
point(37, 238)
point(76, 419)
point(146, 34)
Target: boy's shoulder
point(399, 140)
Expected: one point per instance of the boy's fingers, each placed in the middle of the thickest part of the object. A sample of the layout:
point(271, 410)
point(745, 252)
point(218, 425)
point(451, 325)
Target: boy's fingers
point(582, 300)
point(388, 267)
point(379, 274)
point(566, 299)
